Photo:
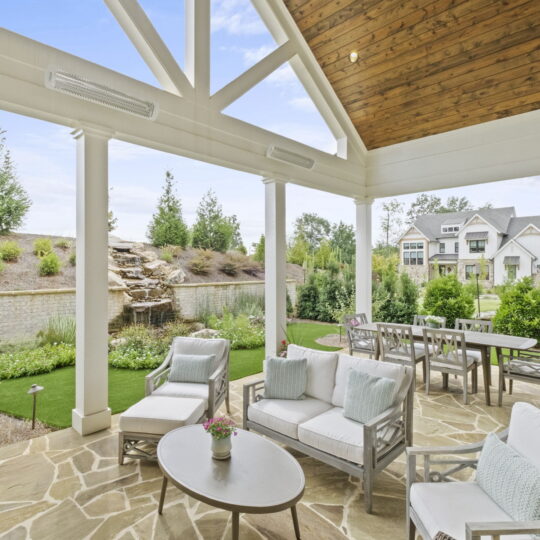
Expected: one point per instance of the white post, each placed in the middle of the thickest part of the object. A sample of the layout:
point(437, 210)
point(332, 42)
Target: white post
point(197, 25)
point(275, 287)
point(91, 411)
point(363, 256)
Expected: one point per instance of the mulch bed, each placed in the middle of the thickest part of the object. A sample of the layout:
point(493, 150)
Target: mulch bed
point(14, 430)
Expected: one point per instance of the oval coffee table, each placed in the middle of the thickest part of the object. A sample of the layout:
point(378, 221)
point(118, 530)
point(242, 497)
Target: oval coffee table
point(259, 478)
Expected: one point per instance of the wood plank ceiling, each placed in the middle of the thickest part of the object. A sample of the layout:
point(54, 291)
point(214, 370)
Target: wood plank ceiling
point(425, 66)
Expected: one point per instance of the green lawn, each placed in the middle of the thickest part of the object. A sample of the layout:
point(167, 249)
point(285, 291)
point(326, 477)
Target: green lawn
point(127, 386)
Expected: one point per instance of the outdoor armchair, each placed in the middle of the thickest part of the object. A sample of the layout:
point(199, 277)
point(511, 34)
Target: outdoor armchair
point(362, 341)
point(518, 366)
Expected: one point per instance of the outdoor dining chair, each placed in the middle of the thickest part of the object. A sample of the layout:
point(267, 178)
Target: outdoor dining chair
point(446, 353)
point(396, 344)
point(518, 366)
point(362, 341)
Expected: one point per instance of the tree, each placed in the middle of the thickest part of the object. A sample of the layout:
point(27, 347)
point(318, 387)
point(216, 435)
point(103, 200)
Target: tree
point(167, 226)
point(14, 200)
point(424, 204)
point(313, 228)
point(343, 241)
point(236, 237)
point(324, 256)
point(298, 251)
point(112, 221)
point(391, 221)
point(457, 204)
point(212, 230)
point(258, 254)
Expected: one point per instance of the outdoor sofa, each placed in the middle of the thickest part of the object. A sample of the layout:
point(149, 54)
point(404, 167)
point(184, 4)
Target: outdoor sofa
point(316, 425)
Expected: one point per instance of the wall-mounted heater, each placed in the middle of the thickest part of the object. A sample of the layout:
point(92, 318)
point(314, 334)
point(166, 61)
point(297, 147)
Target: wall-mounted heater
point(80, 87)
point(275, 152)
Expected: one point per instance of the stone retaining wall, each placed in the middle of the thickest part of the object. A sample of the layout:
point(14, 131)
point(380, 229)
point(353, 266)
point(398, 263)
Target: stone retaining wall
point(24, 313)
point(190, 299)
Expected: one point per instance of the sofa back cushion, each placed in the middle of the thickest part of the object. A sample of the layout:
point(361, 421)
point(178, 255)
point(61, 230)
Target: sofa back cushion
point(285, 378)
point(321, 371)
point(199, 346)
point(191, 368)
point(367, 396)
point(402, 375)
point(510, 479)
point(524, 431)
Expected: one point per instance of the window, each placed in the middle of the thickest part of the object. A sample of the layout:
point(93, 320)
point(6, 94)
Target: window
point(511, 272)
point(442, 247)
point(450, 229)
point(477, 246)
point(469, 270)
point(413, 253)
point(456, 247)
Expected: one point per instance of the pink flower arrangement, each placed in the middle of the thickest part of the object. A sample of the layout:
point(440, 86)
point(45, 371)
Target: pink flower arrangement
point(220, 428)
point(283, 349)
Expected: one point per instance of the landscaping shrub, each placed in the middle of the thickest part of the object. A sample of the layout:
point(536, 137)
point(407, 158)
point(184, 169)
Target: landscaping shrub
point(59, 329)
point(49, 265)
point(519, 312)
point(446, 297)
point(73, 259)
point(62, 243)
point(251, 305)
point(240, 331)
point(166, 255)
point(230, 265)
point(395, 299)
point(42, 246)
point(174, 329)
point(34, 361)
point(200, 264)
point(10, 251)
point(308, 299)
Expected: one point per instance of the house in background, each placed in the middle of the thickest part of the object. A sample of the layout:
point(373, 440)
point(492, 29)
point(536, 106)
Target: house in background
point(502, 246)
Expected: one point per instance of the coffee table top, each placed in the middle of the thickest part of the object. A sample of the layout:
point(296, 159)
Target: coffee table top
point(259, 477)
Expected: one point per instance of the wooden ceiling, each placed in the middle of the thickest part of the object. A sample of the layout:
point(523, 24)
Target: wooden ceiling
point(425, 66)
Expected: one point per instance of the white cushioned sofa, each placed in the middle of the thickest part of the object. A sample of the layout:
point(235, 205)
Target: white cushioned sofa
point(437, 503)
point(316, 425)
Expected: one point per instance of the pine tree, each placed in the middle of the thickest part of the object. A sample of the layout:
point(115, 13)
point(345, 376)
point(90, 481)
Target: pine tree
point(167, 226)
point(258, 255)
point(14, 200)
point(212, 230)
point(236, 236)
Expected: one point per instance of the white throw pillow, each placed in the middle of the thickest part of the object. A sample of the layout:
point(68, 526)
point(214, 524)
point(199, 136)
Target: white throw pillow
point(321, 370)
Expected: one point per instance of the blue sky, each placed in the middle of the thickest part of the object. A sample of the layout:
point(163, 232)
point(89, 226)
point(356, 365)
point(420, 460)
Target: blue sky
point(45, 153)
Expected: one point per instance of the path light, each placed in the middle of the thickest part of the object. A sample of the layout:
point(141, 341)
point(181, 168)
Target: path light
point(477, 274)
point(34, 389)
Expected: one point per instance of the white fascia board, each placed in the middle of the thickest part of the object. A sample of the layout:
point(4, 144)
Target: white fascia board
point(498, 150)
point(515, 242)
point(525, 228)
point(478, 216)
point(143, 35)
point(282, 26)
point(181, 127)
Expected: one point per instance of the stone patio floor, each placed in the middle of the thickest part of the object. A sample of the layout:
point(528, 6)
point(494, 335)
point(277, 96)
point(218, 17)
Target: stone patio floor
point(64, 486)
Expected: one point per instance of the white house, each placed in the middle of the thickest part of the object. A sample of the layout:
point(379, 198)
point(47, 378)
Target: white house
point(493, 241)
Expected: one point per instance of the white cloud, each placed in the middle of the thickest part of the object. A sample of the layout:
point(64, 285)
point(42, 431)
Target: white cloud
point(237, 17)
point(304, 104)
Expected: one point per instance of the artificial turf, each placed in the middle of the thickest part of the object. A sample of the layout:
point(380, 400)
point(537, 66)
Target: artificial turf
point(127, 386)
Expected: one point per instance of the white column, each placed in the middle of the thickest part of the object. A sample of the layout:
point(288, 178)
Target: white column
point(197, 25)
point(91, 411)
point(363, 256)
point(275, 288)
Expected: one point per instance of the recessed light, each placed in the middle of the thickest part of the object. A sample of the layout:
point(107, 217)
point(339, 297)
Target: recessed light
point(353, 57)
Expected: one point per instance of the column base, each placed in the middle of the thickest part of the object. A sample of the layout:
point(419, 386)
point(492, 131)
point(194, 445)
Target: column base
point(90, 423)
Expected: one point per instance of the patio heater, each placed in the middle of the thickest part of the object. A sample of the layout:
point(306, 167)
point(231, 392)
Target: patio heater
point(477, 275)
point(34, 390)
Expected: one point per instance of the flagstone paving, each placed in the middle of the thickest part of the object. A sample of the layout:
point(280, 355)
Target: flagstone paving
point(64, 486)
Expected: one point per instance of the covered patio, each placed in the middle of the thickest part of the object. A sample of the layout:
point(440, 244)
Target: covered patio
point(68, 484)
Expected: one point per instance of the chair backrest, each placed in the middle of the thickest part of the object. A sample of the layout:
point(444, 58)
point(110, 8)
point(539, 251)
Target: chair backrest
point(420, 320)
point(359, 339)
point(396, 343)
point(190, 345)
point(445, 346)
point(474, 325)
point(355, 319)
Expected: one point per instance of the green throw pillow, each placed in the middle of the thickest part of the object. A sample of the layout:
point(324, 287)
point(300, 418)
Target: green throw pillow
point(511, 480)
point(286, 378)
point(192, 368)
point(367, 396)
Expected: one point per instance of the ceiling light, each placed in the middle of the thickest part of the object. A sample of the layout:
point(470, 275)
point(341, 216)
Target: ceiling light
point(353, 57)
point(275, 152)
point(82, 88)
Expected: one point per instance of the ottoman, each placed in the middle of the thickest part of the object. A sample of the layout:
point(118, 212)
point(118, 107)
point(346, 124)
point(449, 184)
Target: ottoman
point(144, 423)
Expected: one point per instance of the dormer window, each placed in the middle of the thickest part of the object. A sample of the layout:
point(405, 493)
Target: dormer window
point(448, 229)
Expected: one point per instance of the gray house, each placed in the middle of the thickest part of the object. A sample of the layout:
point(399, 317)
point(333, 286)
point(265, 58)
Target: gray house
point(502, 246)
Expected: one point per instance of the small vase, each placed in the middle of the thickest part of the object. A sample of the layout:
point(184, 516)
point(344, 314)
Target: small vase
point(221, 448)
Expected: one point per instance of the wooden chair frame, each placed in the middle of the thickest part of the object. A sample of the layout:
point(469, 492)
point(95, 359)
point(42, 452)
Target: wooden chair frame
point(509, 368)
point(356, 336)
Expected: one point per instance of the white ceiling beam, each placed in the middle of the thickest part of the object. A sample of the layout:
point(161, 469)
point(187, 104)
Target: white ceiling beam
point(151, 47)
point(502, 149)
point(254, 75)
point(282, 26)
point(197, 31)
point(181, 127)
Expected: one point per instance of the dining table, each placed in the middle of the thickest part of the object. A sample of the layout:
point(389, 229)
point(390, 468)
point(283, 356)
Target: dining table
point(481, 341)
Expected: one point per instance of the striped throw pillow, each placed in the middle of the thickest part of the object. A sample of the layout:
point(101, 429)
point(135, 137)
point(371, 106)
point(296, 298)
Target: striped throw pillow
point(286, 378)
point(367, 396)
point(193, 368)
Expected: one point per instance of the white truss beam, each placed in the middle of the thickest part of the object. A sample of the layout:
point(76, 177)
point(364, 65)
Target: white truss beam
point(197, 24)
point(254, 75)
point(151, 47)
point(281, 25)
